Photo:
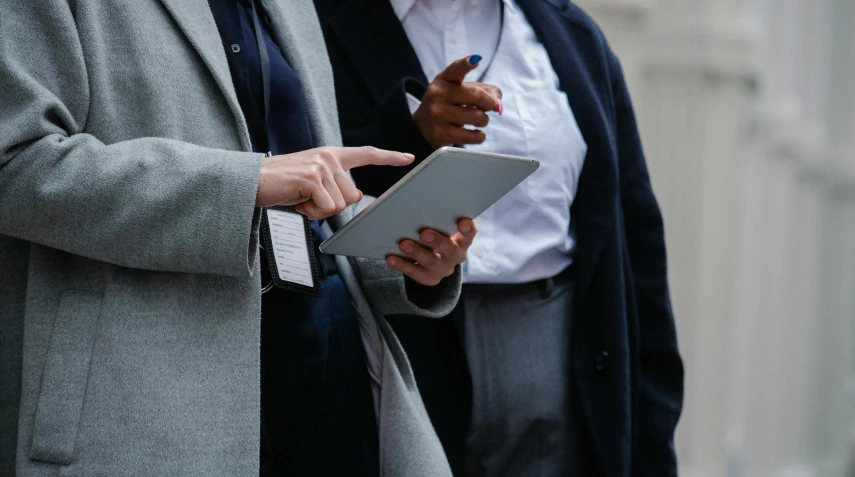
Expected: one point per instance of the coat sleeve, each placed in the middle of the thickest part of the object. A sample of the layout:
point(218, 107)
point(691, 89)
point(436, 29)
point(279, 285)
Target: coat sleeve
point(148, 203)
point(661, 368)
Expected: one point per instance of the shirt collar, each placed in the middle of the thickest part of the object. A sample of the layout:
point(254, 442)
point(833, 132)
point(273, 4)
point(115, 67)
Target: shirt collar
point(403, 7)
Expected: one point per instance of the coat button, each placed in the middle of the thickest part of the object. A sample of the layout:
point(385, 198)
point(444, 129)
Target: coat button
point(603, 361)
point(236, 48)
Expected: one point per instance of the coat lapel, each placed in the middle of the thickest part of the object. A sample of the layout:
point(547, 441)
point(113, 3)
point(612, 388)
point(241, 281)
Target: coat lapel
point(576, 56)
point(195, 19)
point(377, 44)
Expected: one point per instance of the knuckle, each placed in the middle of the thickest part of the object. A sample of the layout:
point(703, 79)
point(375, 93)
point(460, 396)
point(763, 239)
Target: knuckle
point(369, 150)
point(432, 261)
point(485, 98)
point(325, 153)
point(432, 91)
point(418, 254)
point(318, 171)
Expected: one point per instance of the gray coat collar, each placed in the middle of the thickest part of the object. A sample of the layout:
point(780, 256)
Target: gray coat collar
point(297, 40)
point(195, 19)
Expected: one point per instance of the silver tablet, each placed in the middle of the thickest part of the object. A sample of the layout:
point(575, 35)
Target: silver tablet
point(449, 185)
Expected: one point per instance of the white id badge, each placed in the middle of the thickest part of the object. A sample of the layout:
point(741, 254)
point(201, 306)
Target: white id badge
point(287, 239)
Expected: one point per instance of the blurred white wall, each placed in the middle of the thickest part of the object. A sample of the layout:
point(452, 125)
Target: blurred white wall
point(747, 113)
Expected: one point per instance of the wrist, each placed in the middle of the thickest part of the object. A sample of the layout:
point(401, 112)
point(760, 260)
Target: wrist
point(265, 177)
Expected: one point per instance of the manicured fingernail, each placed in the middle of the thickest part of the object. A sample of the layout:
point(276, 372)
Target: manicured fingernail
point(465, 227)
point(499, 106)
point(392, 261)
point(428, 237)
point(474, 59)
point(408, 156)
point(408, 247)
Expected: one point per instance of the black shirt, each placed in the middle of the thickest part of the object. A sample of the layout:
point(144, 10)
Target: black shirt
point(316, 400)
point(287, 127)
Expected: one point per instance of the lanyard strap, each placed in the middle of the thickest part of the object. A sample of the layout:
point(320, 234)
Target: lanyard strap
point(265, 63)
point(277, 280)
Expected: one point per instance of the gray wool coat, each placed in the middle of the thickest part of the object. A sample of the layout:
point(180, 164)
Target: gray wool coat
point(129, 285)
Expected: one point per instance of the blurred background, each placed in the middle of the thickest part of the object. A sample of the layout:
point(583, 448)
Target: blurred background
point(747, 112)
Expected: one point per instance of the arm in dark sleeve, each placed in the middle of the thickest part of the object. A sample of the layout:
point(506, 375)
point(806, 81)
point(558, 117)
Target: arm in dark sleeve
point(661, 369)
point(389, 126)
point(392, 293)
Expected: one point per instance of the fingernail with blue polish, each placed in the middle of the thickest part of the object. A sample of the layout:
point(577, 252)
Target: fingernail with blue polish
point(474, 59)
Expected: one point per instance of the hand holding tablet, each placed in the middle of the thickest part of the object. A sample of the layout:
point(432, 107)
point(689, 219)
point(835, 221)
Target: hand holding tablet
point(436, 260)
point(450, 185)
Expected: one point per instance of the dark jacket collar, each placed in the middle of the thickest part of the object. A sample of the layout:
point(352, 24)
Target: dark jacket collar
point(372, 26)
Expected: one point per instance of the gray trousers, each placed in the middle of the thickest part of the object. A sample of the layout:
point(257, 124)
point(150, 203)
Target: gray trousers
point(517, 343)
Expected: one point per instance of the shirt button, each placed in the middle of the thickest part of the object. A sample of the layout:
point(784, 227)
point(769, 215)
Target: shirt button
point(479, 252)
point(602, 361)
point(235, 48)
point(454, 39)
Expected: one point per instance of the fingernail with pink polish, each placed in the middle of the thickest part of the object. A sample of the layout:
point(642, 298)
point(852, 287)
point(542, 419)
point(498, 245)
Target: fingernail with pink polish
point(499, 106)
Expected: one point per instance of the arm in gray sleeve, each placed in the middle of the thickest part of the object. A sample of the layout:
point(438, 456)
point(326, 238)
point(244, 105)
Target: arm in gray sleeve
point(148, 203)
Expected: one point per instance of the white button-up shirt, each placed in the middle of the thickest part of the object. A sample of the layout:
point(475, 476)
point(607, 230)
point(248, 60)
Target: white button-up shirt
point(526, 235)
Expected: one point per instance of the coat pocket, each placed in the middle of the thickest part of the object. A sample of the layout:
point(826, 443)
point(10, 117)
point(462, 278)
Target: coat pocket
point(64, 378)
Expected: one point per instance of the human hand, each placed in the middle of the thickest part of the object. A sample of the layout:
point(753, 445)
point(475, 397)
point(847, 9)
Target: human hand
point(449, 104)
point(316, 180)
point(439, 255)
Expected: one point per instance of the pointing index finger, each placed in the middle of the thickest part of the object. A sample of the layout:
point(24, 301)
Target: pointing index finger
point(457, 71)
point(351, 157)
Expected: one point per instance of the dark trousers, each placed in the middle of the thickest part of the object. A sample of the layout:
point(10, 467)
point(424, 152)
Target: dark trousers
point(317, 408)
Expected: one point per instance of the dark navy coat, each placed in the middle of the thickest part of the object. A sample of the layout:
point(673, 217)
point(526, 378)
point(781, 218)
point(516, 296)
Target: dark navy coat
point(627, 372)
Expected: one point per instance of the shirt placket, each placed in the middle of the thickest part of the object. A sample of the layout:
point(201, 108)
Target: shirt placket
point(455, 42)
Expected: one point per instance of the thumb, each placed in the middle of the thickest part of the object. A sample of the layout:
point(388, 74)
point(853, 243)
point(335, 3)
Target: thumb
point(455, 72)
